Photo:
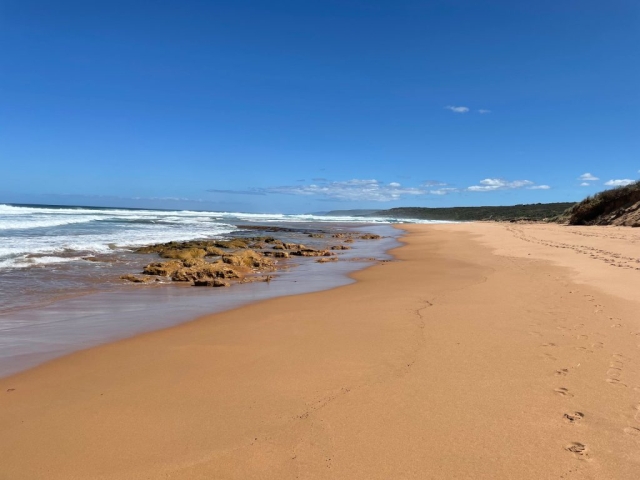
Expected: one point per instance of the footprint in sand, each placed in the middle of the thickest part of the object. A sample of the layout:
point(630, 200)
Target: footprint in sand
point(633, 431)
point(613, 373)
point(562, 371)
point(616, 364)
point(615, 381)
point(583, 349)
point(577, 448)
point(563, 391)
point(548, 344)
point(597, 345)
point(573, 417)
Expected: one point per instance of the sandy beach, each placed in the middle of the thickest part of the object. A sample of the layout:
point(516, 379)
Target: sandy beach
point(483, 351)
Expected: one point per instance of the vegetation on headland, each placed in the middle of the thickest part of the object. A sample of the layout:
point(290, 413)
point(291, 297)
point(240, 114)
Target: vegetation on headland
point(616, 206)
point(531, 212)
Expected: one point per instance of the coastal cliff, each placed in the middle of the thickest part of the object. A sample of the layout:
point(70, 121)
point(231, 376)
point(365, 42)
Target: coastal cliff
point(618, 206)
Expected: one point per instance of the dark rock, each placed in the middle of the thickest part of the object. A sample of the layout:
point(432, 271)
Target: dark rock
point(327, 259)
point(211, 283)
point(136, 278)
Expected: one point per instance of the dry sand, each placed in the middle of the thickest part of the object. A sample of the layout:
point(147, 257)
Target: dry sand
point(486, 351)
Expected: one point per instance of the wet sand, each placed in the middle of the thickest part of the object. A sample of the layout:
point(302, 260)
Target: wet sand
point(32, 336)
point(485, 351)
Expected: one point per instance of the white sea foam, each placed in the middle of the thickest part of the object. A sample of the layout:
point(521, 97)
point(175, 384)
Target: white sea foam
point(49, 232)
point(75, 232)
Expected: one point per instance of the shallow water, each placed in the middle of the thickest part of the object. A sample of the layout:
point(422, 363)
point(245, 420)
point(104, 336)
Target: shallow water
point(32, 335)
point(48, 253)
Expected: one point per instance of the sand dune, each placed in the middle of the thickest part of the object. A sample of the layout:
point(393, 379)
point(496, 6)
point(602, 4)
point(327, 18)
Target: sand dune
point(485, 351)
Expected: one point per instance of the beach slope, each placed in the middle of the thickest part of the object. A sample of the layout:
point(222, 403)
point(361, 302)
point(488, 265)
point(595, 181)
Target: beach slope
point(484, 351)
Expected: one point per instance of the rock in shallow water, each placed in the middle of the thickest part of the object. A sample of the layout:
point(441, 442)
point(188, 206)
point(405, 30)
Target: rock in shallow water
point(211, 283)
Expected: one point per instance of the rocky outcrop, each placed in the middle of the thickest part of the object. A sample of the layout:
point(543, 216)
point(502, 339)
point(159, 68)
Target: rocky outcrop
point(327, 259)
point(369, 236)
point(136, 278)
point(163, 269)
point(204, 272)
point(276, 254)
point(304, 251)
point(221, 263)
point(211, 283)
point(248, 258)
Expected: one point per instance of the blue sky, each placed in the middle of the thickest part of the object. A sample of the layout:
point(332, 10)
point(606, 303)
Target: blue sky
point(298, 106)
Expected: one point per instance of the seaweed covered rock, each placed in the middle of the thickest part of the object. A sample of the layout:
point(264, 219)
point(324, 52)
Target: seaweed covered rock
point(247, 258)
point(276, 254)
point(214, 252)
point(163, 269)
point(136, 278)
point(369, 236)
point(340, 247)
point(204, 272)
point(327, 259)
point(183, 253)
point(304, 251)
point(233, 243)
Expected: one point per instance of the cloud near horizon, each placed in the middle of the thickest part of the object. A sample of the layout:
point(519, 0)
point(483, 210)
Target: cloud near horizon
point(623, 182)
point(253, 191)
point(353, 190)
point(493, 184)
point(350, 190)
point(377, 191)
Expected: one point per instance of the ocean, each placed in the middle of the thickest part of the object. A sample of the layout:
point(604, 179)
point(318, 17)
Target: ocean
point(60, 267)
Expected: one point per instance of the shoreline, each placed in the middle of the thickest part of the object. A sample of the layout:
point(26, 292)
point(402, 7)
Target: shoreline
point(86, 319)
point(464, 358)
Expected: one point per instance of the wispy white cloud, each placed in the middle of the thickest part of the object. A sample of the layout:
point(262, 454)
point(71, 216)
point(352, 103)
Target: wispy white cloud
point(352, 190)
point(254, 191)
point(457, 109)
point(493, 184)
point(443, 191)
point(585, 184)
point(619, 183)
point(356, 189)
point(587, 177)
point(484, 110)
point(433, 183)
